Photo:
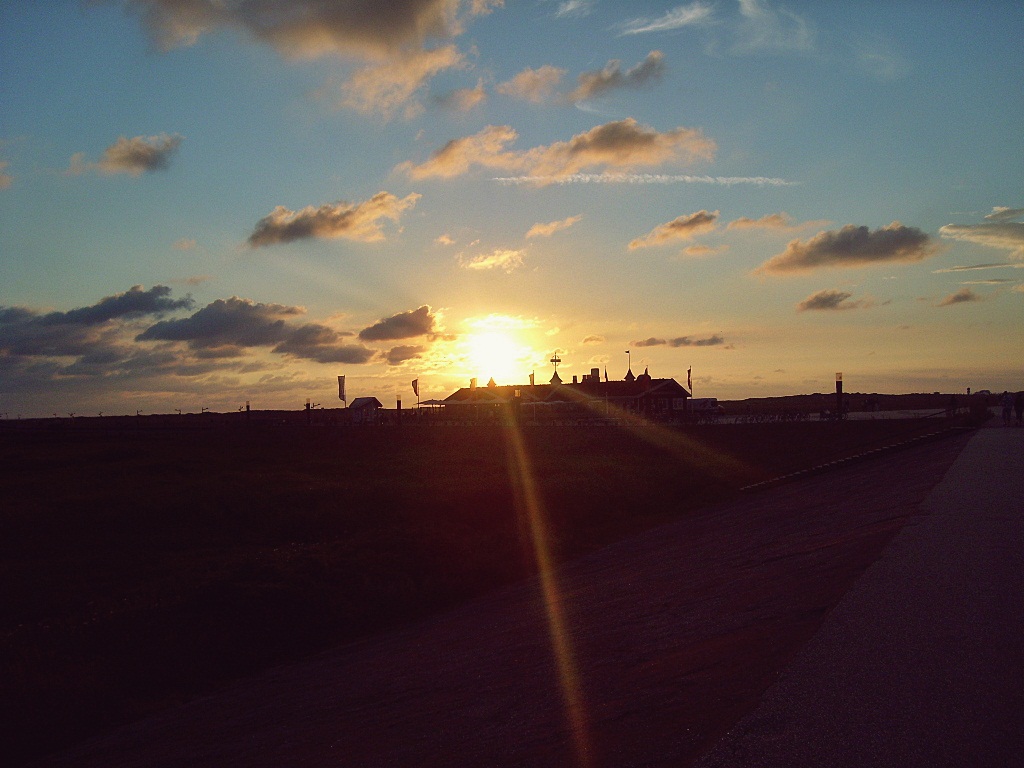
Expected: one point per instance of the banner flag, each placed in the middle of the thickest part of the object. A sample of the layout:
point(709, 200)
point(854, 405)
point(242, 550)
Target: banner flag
point(416, 387)
point(472, 384)
point(531, 379)
point(341, 389)
point(688, 384)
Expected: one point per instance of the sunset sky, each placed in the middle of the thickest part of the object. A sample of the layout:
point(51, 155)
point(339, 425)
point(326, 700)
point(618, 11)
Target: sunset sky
point(204, 202)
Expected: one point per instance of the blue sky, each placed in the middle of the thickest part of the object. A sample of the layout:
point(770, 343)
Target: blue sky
point(211, 202)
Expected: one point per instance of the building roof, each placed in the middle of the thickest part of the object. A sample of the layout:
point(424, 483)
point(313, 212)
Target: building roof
point(641, 387)
point(365, 402)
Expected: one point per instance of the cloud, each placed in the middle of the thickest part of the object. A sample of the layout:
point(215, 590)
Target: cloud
point(676, 18)
point(574, 8)
point(778, 222)
point(680, 228)
point(227, 324)
point(547, 230)
point(384, 89)
point(765, 30)
point(998, 233)
point(623, 144)
point(648, 178)
point(698, 250)
point(359, 222)
point(830, 299)
point(444, 239)
point(400, 354)
point(852, 246)
point(313, 341)
point(84, 330)
point(184, 244)
point(6, 180)
point(963, 296)
point(310, 28)
point(1002, 213)
point(593, 339)
point(134, 156)
point(681, 341)
point(404, 325)
point(533, 85)
point(465, 99)
point(505, 259)
point(611, 77)
point(973, 267)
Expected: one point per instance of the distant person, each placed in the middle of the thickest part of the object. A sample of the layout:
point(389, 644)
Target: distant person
point(951, 406)
point(1007, 402)
point(1018, 407)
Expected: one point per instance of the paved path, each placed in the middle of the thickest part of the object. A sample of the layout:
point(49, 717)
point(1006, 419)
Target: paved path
point(669, 638)
point(922, 662)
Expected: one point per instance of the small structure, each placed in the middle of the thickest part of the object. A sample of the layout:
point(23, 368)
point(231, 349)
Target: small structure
point(365, 410)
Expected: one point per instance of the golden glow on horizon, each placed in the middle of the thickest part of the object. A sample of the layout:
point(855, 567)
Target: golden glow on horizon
point(495, 349)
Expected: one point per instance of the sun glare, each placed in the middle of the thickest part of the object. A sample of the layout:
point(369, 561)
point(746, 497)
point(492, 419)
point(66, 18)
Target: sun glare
point(498, 353)
point(495, 348)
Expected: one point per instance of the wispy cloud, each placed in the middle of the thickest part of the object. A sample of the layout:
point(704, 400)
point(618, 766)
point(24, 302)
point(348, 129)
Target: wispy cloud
point(389, 88)
point(852, 246)
point(681, 341)
point(973, 267)
point(360, 221)
point(133, 156)
point(1002, 213)
point(832, 300)
point(547, 230)
point(574, 9)
point(777, 222)
point(675, 18)
point(6, 180)
point(504, 259)
point(533, 85)
point(997, 233)
point(647, 178)
point(623, 144)
point(680, 228)
point(764, 29)
point(700, 250)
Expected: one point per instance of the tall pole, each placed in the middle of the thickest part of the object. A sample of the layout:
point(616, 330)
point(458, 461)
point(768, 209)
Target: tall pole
point(839, 395)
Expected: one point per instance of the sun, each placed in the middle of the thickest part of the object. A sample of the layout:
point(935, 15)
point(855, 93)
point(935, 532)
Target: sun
point(497, 354)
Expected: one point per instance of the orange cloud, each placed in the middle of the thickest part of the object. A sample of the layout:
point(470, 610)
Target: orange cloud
point(547, 230)
point(680, 228)
point(534, 85)
point(360, 221)
point(622, 145)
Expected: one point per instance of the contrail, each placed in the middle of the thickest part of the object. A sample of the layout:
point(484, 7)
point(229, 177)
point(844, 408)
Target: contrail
point(646, 178)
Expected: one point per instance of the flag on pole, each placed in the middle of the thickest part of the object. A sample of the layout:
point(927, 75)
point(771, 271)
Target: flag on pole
point(472, 384)
point(531, 379)
point(689, 386)
point(416, 387)
point(341, 389)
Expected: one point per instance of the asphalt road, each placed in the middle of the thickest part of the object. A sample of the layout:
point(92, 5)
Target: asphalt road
point(922, 662)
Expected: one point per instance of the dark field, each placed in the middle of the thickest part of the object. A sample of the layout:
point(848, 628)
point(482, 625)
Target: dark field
point(141, 567)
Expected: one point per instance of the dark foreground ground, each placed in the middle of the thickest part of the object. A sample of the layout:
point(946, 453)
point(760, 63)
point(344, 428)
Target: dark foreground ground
point(144, 568)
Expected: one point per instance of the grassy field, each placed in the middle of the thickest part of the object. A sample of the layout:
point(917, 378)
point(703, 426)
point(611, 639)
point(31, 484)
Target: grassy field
point(143, 567)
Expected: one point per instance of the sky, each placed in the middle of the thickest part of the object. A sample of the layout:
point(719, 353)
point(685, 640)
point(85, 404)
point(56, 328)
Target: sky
point(208, 202)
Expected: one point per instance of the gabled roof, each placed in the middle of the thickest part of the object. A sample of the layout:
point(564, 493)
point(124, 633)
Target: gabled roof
point(366, 402)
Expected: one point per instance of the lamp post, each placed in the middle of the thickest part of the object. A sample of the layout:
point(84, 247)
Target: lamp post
point(839, 395)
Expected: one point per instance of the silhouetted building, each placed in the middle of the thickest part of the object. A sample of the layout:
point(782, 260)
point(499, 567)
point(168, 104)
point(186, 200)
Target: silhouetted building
point(586, 398)
point(365, 410)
